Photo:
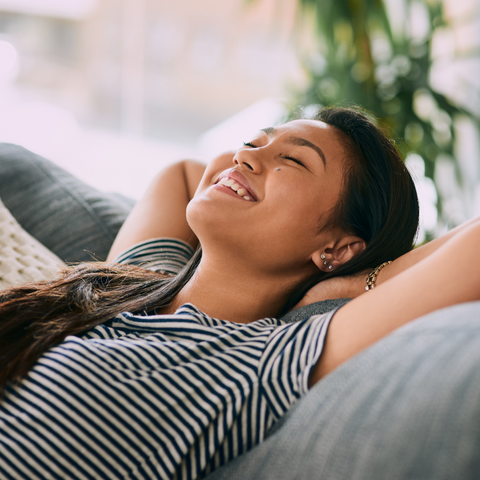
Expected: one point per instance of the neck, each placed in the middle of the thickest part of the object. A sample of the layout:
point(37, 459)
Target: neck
point(230, 292)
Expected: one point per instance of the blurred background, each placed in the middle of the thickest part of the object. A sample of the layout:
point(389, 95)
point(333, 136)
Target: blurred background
point(113, 90)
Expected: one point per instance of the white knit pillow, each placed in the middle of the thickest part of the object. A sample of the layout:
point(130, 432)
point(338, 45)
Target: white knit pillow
point(23, 259)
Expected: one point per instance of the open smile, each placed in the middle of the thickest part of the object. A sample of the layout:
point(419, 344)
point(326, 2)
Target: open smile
point(229, 191)
point(235, 183)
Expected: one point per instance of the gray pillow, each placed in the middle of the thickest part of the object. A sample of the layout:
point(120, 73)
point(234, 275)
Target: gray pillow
point(316, 308)
point(72, 219)
point(406, 408)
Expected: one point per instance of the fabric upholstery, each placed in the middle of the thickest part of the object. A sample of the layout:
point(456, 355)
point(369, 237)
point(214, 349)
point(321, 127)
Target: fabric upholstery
point(408, 407)
point(316, 308)
point(22, 258)
point(72, 219)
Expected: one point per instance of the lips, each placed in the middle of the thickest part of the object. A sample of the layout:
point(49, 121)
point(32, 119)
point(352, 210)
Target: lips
point(241, 180)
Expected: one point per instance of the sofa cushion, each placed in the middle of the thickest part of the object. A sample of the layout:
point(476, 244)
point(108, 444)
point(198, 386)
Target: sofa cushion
point(311, 309)
point(22, 258)
point(407, 407)
point(72, 219)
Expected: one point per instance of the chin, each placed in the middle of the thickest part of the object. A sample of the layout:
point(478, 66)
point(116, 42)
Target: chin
point(203, 209)
point(205, 218)
point(215, 228)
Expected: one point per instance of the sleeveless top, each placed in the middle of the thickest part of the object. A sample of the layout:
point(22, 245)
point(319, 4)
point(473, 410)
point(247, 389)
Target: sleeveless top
point(155, 396)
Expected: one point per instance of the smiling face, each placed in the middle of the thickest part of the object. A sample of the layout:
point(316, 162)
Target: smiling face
point(265, 202)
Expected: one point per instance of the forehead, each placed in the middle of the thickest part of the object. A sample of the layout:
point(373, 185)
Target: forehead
point(306, 127)
point(314, 131)
point(324, 136)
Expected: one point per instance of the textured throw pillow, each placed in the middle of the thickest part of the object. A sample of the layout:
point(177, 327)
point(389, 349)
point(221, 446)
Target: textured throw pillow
point(23, 259)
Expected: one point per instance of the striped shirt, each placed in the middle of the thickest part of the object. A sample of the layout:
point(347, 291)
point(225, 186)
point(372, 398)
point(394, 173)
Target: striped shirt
point(155, 396)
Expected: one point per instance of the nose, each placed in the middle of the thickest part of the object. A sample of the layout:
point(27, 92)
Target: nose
point(249, 158)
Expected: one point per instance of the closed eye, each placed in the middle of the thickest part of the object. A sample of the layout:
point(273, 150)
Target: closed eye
point(298, 162)
point(295, 160)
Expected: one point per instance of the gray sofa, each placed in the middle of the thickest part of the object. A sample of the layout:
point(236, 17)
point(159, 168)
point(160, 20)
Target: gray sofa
point(406, 408)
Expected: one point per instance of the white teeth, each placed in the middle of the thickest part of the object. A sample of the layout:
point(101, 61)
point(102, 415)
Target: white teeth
point(228, 182)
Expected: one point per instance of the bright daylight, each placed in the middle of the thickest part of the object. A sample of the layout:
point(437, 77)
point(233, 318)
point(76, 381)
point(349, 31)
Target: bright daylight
point(239, 239)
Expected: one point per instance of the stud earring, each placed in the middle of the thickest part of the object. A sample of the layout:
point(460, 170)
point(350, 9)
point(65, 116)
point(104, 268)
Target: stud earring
point(323, 257)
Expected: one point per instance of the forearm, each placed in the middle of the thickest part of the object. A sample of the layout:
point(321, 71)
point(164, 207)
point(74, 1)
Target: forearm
point(352, 286)
point(418, 254)
point(162, 210)
point(355, 285)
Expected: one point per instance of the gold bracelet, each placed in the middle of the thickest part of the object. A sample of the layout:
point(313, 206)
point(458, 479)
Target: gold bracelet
point(372, 276)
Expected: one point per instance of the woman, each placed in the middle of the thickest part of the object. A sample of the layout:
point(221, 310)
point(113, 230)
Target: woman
point(191, 378)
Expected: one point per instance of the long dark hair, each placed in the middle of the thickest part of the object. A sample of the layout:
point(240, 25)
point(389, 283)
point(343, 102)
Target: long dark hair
point(379, 204)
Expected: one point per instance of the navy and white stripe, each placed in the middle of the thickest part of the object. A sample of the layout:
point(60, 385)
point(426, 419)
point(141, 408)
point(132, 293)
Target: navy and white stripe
point(155, 397)
point(163, 255)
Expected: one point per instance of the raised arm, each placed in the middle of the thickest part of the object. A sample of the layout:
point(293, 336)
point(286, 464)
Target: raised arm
point(443, 273)
point(161, 211)
point(354, 285)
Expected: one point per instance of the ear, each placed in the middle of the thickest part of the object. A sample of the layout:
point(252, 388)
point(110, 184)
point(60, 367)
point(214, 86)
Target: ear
point(338, 253)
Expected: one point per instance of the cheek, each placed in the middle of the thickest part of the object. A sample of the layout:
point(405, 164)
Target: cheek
point(286, 229)
point(294, 227)
point(297, 209)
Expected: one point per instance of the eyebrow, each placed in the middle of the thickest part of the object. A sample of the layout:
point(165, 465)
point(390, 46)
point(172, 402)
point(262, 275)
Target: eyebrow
point(302, 142)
